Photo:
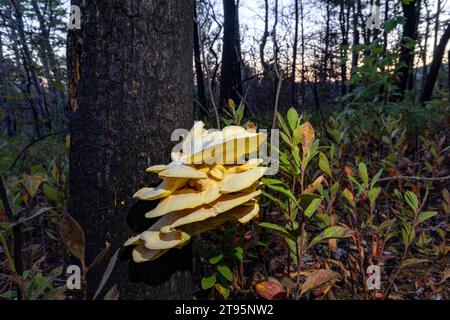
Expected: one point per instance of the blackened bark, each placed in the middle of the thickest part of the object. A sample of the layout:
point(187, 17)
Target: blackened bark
point(406, 59)
point(198, 67)
point(230, 80)
point(435, 66)
point(131, 86)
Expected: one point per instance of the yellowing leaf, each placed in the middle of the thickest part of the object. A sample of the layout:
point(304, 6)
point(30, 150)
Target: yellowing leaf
point(307, 132)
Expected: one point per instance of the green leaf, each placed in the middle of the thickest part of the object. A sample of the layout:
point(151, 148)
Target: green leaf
point(280, 186)
point(231, 104)
point(224, 291)
point(362, 169)
point(426, 215)
point(50, 192)
point(208, 282)
point(216, 259)
point(292, 117)
point(225, 272)
point(348, 195)
point(283, 124)
point(312, 207)
point(239, 253)
point(376, 178)
point(275, 228)
point(373, 195)
point(324, 165)
point(334, 232)
point(411, 200)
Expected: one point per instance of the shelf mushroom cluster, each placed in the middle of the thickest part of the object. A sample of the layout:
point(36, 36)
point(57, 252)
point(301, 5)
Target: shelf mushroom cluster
point(211, 180)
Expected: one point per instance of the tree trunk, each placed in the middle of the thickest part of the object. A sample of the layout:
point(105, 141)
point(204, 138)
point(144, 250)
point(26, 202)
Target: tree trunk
point(406, 58)
point(50, 64)
point(39, 102)
point(130, 68)
point(435, 66)
point(302, 35)
point(344, 21)
point(198, 67)
point(294, 57)
point(262, 46)
point(9, 121)
point(230, 80)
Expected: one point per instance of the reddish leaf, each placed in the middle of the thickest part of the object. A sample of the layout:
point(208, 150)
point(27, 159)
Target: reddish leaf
point(112, 294)
point(271, 290)
point(73, 236)
point(348, 171)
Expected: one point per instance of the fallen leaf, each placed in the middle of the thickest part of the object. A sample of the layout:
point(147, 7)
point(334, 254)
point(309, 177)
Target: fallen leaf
point(318, 278)
point(271, 290)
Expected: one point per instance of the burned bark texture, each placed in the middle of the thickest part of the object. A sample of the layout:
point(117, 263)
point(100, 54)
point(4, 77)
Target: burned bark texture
point(130, 69)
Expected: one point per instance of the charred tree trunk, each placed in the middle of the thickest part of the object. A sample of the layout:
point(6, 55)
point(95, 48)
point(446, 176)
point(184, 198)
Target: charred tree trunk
point(130, 69)
point(230, 80)
point(435, 66)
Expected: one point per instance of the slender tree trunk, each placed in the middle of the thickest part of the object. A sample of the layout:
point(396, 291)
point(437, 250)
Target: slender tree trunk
point(435, 66)
point(42, 109)
point(9, 120)
point(131, 75)
point(436, 24)
point(294, 57)
point(303, 85)
point(406, 59)
point(326, 56)
point(355, 54)
point(198, 66)
point(230, 80)
point(344, 17)
point(424, 51)
point(262, 46)
point(51, 69)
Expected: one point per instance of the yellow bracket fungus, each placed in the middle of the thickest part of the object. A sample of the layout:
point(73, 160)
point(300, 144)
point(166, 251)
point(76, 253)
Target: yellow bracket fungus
point(208, 183)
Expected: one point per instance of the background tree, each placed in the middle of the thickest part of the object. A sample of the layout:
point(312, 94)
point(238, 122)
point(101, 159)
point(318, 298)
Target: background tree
point(230, 80)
